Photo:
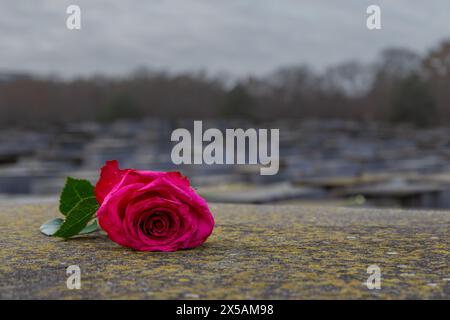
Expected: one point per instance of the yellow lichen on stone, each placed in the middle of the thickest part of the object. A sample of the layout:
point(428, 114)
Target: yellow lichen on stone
point(255, 252)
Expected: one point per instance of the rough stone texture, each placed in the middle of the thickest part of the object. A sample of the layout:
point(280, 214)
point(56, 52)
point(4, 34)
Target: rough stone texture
point(255, 252)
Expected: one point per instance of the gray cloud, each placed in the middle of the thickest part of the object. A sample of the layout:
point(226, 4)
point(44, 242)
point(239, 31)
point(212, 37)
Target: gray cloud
point(236, 36)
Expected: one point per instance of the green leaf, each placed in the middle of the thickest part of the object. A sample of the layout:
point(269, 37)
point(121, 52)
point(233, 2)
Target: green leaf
point(51, 226)
point(78, 218)
point(78, 204)
point(90, 228)
point(75, 190)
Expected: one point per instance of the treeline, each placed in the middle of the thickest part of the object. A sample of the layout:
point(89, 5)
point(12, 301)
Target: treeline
point(401, 86)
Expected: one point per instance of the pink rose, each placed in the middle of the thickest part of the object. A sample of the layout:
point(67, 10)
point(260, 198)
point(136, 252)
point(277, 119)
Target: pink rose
point(151, 211)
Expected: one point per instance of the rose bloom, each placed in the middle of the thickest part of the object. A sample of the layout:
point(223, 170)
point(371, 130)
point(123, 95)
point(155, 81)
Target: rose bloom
point(151, 211)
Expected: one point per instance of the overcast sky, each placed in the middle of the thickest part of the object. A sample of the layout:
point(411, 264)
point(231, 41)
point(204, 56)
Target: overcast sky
point(239, 37)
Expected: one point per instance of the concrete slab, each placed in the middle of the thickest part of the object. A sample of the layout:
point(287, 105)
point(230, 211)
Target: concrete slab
point(255, 194)
point(255, 252)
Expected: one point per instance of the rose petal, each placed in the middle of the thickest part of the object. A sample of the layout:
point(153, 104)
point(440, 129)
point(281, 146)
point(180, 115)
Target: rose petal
point(110, 176)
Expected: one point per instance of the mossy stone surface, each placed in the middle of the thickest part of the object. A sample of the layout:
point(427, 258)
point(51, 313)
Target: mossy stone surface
point(255, 252)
